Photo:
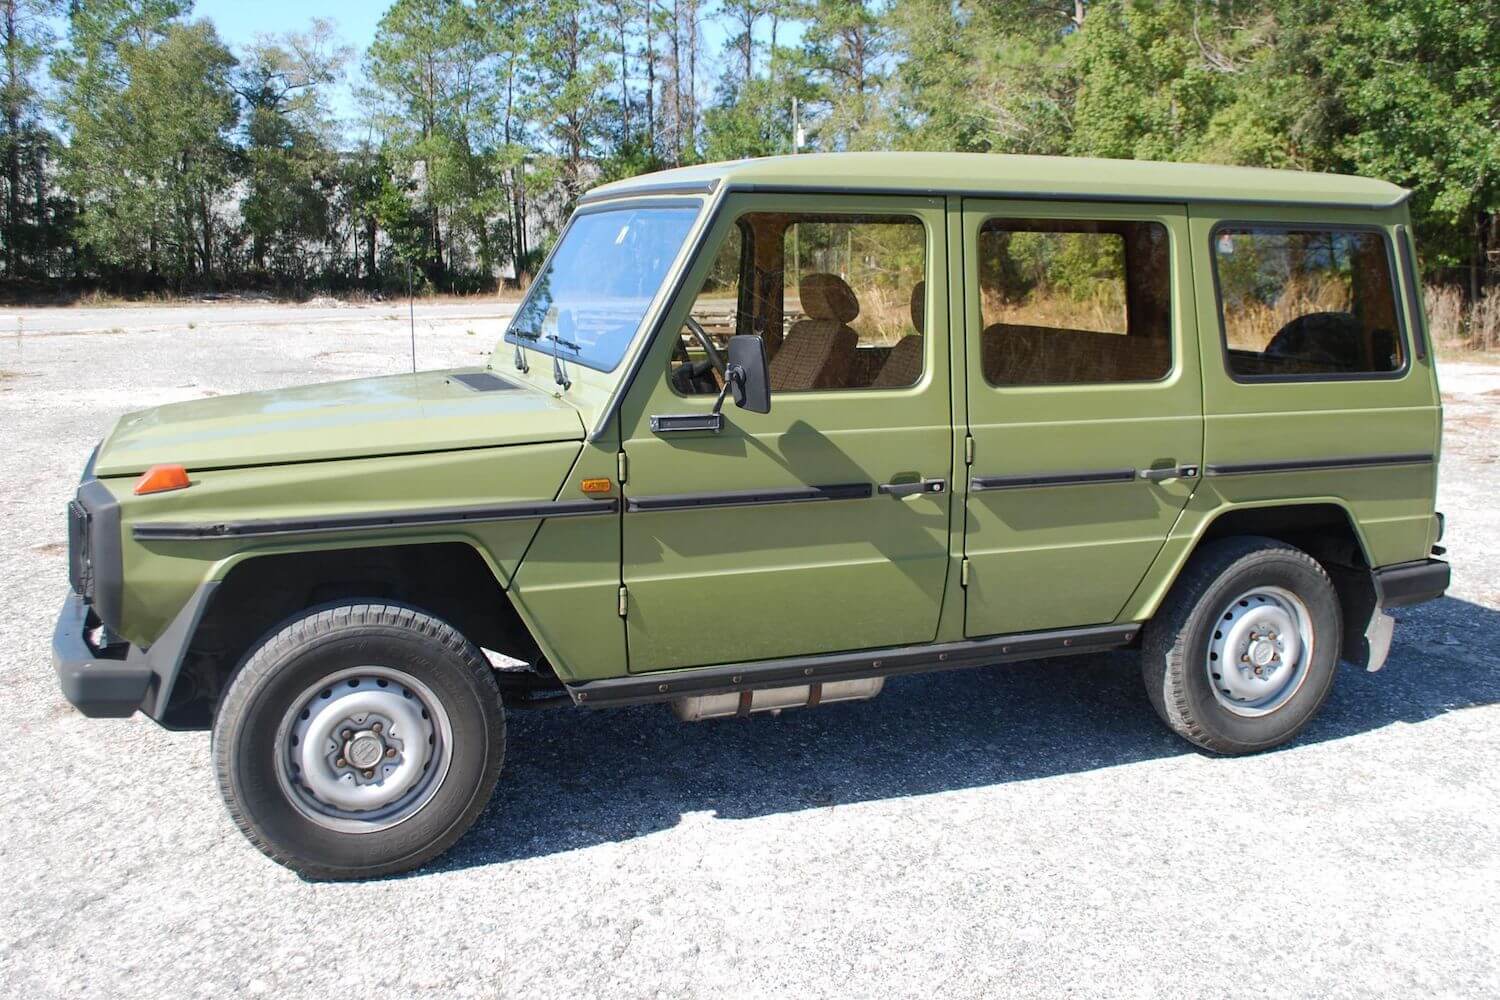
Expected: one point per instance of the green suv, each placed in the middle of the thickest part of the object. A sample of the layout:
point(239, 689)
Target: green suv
point(763, 434)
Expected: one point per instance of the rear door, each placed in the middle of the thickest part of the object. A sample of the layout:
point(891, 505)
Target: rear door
point(1084, 403)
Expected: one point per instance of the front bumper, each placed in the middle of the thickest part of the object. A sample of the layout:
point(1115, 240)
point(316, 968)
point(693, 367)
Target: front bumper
point(113, 683)
point(99, 686)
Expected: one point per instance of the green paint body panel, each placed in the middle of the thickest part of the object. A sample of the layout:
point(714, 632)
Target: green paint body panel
point(161, 574)
point(1056, 556)
point(720, 584)
point(388, 415)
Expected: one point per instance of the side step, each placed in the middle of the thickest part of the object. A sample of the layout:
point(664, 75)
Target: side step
point(666, 685)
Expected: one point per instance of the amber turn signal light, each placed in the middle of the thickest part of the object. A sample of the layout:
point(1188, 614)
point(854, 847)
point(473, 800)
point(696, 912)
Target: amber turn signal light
point(596, 485)
point(161, 478)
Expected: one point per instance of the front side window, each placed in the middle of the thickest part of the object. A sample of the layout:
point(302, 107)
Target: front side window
point(1068, 302)
point(588, 303)
point(1306, 303)
point(839, 300)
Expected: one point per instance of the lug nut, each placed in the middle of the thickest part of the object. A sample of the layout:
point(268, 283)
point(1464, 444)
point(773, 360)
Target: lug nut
point(375, 728)
point(369, 774)
point(340, 763)
point(390, 751)
point(347, 734)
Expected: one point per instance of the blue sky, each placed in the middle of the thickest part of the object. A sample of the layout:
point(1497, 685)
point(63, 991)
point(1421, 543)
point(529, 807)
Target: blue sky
point(239, 21)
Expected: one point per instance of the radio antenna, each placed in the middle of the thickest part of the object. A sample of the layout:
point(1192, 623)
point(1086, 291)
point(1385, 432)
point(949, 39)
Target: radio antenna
point(411, 314)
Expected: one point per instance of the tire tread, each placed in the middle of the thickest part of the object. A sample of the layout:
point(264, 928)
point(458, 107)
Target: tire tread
point(297, 634)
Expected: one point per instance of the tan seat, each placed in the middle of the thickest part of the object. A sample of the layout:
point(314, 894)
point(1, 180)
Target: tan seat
point(1039, 355)
point(818, 352)
point(903, 366)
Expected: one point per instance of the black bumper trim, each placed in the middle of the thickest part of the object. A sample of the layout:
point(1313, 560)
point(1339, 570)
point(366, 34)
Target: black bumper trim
point(1411, 583)
point(99, 687)
point(105, 687)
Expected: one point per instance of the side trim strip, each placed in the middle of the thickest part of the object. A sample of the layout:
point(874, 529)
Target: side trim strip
point(750, 498)
point(982, 484)
point(524, 511)
point(1317, 464)
point(668, 684)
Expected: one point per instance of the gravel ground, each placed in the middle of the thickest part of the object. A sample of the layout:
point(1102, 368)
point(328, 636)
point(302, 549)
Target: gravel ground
point(1024, 830)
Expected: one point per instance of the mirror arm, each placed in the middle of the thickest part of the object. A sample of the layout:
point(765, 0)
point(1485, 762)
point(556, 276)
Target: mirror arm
point(733, 375)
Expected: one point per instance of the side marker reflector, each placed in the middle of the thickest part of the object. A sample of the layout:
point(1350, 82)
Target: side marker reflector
point(600, 485)
point(161, 478)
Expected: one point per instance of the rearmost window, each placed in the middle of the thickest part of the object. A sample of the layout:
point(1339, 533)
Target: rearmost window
point(1306, 303)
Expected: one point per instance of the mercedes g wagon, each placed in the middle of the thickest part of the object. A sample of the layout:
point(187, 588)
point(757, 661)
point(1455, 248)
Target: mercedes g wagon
point(763, 434)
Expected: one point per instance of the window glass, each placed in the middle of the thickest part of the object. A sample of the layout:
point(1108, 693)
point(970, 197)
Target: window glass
point(1074, 302)
point(588, 303)
point(1306, 302)
point(840, 301)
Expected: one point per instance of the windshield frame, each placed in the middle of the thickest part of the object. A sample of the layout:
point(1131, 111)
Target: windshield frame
point(549, 349)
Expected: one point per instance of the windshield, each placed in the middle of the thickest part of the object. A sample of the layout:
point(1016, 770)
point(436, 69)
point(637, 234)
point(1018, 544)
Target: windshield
point(588, 303)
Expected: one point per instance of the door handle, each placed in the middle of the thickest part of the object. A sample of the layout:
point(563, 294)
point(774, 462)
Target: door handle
point(912, 489)
point(1170, 472)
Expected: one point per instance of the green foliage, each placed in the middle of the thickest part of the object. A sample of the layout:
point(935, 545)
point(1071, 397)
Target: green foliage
point(165, 160)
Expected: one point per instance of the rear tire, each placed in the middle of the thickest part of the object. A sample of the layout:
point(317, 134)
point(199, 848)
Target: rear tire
point(359, 740)
point(1243, 652)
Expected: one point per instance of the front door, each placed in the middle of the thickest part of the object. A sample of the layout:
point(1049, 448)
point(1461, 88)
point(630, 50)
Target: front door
point(1084, 405)
point(823, 525)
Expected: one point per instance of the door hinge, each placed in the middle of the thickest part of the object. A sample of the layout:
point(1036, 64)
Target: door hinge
point(968, 449)
point(963, 573)
point(624, 601)
point(620, 468)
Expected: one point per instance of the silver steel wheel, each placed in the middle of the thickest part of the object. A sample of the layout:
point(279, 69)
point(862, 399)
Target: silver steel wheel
point(1260, 651)
point(363, 749)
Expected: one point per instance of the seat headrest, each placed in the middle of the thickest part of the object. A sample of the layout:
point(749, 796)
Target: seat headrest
point(919, 306)
point(827, 296)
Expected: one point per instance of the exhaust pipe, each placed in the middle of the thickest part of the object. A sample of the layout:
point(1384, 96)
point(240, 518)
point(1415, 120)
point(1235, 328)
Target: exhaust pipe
point(696, 708)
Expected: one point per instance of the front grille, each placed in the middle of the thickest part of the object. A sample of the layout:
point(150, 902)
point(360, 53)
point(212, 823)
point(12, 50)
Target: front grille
point(80, 565)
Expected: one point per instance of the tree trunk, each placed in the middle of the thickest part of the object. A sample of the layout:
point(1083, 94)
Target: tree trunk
point(371, 229)
point(206, 217)
point(13, 85)
point(650, 80)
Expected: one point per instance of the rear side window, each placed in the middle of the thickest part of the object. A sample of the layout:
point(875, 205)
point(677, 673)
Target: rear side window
point(1306, 303)
point(1068, 302)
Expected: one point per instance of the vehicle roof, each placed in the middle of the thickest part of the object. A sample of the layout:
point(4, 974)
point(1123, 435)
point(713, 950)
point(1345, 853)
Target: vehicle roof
point(1011, 175)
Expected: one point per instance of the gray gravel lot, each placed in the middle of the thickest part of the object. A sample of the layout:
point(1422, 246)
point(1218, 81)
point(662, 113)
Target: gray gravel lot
point(1024, 830)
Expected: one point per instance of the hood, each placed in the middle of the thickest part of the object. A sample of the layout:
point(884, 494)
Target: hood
point(389, 415)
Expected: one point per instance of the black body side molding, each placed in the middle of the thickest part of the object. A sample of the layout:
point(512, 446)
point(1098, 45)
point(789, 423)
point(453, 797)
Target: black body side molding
point(750, 498)
point(984, 484)
point(1318, 464)
point(523, 511)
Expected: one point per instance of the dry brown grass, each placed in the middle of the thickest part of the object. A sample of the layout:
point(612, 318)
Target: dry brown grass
point(1251, 325)
point(1458, 326)
point(1102, 312)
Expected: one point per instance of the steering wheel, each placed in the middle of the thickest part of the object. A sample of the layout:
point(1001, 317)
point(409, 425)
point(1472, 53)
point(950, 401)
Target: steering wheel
point(704, 339)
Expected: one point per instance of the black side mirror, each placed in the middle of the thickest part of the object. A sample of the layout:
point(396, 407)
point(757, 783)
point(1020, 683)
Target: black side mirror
point(747, 373)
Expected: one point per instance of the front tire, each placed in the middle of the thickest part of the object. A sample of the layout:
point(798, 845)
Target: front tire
point(1243, 652)
point(359, 740)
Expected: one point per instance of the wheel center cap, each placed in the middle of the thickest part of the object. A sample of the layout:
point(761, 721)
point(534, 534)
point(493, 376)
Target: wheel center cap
point(1262, 651)
point(365, 750)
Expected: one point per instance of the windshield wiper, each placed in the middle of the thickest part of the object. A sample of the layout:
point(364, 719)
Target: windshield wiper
point(560, 374)
point(520, 360)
